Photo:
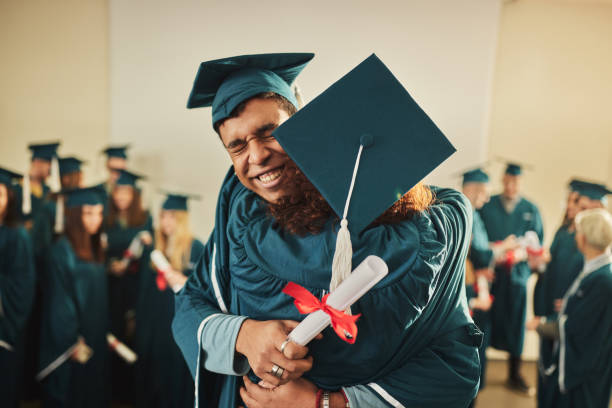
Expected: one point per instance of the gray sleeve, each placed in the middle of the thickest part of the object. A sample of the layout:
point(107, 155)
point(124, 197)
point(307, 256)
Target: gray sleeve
point(219, 336)
point(360, 396)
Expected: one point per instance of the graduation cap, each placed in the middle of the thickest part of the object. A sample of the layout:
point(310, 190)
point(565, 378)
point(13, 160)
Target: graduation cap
point(594, 191)
point(9, 177)
point(75, 197)
point(176, 201)
point(362, 141)
point(116, 151)
point(513, 167)
point(225, 83)
point(69, 165)
point(475, 176)
point(44, 151)
point(127, 178)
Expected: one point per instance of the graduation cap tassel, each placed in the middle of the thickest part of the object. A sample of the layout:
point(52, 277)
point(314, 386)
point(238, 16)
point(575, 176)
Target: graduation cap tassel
point(54, 183)
point(343, 257)
point(59, 215)
point(298, 95)
point(26, 199)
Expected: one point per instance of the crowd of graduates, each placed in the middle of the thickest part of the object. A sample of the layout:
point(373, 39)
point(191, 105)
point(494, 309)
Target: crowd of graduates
point(85, 318)
point(572, 308)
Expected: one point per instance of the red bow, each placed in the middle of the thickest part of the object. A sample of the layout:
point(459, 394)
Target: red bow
point(160, 280)
point(305, 302)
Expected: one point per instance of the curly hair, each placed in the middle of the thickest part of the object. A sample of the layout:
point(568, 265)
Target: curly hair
point(305, 211)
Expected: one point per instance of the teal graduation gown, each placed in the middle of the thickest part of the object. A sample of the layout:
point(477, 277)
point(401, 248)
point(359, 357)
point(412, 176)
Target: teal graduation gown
point(509, 308)
point(123, 296)
point(565, 264)
point(481, 257)
point(74, 304)
point(429, 343)
point(583, 374)
point(162, 376)
point(17, 281)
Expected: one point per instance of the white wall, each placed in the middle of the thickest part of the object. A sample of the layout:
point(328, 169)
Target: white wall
point(53, 79)
point(442, 51)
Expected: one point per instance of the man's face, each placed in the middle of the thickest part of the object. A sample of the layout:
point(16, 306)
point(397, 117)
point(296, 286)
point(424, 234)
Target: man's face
point(259, 160)
point(512, 185)
point(477, 193)
point(113, 164)
point(40, 169)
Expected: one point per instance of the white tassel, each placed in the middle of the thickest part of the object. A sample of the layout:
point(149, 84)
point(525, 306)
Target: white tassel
point(342, 264)
point(59, 215)
point(298, 95)
point(26, 199)
point(54, 182)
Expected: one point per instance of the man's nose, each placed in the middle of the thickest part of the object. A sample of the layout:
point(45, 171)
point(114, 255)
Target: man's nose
point(258, 152)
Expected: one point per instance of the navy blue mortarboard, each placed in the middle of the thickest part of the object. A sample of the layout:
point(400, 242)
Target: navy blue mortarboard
point(83, 196)
point(116, 151)
point(365, 138)
point(176, 201)
point(127, 178)
point(69, 165)
point(475, 176)
point(8, 177)
point(225, 83)
point(44, 151)
point(594, 191)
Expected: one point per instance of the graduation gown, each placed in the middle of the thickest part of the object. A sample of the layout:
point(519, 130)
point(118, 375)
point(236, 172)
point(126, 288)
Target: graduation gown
point(162, 376)
point(481, 256)
point(123, 290)
point(509, 288)
point(74, 304)
point(565, 265)
point(17, 282)
point(582, 375)
point(429, 342)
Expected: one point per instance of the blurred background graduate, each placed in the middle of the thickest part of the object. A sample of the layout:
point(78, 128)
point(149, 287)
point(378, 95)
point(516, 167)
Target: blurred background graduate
point(480, 262)
point(578, 372)
point(116, 160)
point(36, 195)
point(507, 217)
point(162, 376)
point(17, 282)
point(566, 263)
point(127, 221)
point(74, 351)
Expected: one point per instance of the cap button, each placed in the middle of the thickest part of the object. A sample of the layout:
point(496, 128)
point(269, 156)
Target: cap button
point(366, 140)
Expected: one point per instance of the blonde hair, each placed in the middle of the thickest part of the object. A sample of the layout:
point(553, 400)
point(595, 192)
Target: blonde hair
point(177, 248)
point(596, 225)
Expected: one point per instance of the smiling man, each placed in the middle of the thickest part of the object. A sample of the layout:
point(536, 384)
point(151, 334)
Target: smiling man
point(273, 226)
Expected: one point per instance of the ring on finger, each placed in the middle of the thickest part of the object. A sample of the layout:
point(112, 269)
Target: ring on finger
point(277, 371)
point(284, 345)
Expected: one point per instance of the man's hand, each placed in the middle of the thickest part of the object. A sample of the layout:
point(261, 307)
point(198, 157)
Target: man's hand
point(260, 343)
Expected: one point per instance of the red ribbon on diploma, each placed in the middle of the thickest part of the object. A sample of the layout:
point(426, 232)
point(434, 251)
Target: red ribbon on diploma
point(305, 302)
point(160, 280)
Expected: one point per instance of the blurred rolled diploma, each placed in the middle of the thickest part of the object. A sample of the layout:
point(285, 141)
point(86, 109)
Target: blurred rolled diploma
point(121, 349)
point(362, 279)
point(134, 251)
point(483, 288)
point(160, 261)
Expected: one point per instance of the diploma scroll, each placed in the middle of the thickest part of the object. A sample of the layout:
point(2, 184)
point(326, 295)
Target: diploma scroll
point(163, 267)
point(121, 349)
point(134, 251)
point(362, 279)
